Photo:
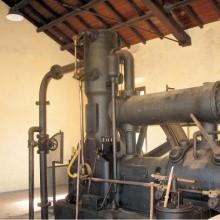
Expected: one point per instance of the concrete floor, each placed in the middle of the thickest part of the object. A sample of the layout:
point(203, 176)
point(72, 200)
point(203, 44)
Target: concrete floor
point(14, 205)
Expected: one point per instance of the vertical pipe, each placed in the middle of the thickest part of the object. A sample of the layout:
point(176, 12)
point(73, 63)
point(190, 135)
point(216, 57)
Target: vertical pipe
point(113, 70)
point(54, 181)
point(56, 72)
point(128, 61)
point(129, 130)
point(140, 141)
point(43, 145)
point(151, 200)
point(114, 134)
point(31, 182)
point(78, 181)
point(43, 184)
point(31, 145)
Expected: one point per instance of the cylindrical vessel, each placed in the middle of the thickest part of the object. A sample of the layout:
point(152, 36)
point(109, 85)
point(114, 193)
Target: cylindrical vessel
point(97, 47)
point(184, 212)
point(172, 106)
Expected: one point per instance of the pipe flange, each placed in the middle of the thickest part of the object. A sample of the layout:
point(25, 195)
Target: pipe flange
point(56, 72)
point(216, 159)
point(92, 35)
point(176, 154)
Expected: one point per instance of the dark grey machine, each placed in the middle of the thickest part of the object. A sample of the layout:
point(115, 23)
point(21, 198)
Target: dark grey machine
point(117, 180)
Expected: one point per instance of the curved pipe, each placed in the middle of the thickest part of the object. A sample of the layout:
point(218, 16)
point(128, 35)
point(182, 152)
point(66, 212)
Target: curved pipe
point(128, 61)
point(126, 58)
point(140, 141)
point(56, 72)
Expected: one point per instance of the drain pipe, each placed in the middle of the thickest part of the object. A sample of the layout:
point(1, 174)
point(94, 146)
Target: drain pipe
point(126, 58)
point(56, 72)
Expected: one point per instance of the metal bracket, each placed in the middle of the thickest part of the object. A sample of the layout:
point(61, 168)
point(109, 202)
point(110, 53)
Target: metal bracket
point(44, 205)
point(215, 148)
point(40, 103)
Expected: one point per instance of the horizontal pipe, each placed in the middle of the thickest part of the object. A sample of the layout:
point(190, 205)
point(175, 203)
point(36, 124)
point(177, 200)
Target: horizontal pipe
point(59, 70)
point(172, 106)
point(141, 184)
point(122, 182)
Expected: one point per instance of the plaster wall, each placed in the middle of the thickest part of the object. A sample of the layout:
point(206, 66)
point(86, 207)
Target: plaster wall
point(25, 57)
point(162, 62)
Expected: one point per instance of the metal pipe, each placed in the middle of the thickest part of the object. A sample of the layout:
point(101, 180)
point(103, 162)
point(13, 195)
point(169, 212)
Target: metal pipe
point(172, 106)
point(31, 145)
point(199, 134)
point(71, 67)
point(127, 59)
point(215, 148)
point(114, 133)
point(151, 200)
point(122, 182)
point(195, 135)
point(43, 185)
point(140, 141)
point(43, 137)
point(78, 181)
point(56, 72)
point(54, 182)
point(141, 184)
point(113, 68)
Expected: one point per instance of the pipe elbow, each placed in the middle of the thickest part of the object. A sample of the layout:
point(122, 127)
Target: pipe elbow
point(128, 60)
point(125, 55)
point(56, 72)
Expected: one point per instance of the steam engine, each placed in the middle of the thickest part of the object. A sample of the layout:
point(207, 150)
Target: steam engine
point(179, 179)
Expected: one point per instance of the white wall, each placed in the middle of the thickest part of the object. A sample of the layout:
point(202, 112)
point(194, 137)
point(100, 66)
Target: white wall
point(25, 57)
point(162, 62)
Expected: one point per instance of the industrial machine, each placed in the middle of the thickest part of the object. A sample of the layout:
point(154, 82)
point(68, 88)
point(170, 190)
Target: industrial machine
point(110, 177)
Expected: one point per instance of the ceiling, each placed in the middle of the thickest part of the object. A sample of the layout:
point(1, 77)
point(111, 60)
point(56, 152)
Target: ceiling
point(135, 21)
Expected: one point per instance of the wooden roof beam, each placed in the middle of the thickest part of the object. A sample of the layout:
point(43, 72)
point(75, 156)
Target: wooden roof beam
point(150, 24)
point(22, 4)
point(154, 28)
point(190, 11)
point(179, 4)
point(131, 21)
point(123, 19)
point(107, 25)
point(215, 5)
point(55, 33)
point(183, 38)
point(55, 15)
point(72, 12)
point(119, 25)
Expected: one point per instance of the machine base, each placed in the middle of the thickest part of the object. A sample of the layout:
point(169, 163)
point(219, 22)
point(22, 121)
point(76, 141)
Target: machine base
point(65, 210)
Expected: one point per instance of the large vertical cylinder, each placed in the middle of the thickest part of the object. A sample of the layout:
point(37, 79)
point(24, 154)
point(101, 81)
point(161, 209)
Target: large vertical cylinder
point(98, 46)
